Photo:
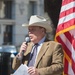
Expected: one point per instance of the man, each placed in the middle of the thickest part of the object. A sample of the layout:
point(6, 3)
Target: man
point(49, 57)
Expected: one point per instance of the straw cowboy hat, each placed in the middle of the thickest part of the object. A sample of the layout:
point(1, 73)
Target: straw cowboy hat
point(36, 20)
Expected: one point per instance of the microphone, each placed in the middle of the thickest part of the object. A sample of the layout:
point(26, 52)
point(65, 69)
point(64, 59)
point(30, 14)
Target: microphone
point(27, 39)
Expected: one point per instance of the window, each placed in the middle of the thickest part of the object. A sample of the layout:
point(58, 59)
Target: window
point(6, 9)
point(32, 10)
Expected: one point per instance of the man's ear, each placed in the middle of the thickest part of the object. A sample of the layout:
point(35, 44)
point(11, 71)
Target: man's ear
point(43, 30)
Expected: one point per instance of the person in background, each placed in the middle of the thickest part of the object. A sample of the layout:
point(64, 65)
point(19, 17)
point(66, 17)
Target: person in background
point(49, 54)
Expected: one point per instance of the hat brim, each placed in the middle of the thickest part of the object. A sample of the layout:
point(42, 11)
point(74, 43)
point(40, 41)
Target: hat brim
point(41, 24)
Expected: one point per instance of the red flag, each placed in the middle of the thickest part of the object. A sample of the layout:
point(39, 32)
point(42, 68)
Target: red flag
point(65, 34)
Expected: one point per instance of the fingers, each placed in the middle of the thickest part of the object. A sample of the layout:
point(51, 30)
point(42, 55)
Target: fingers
point(23, 47)
point(32, 71)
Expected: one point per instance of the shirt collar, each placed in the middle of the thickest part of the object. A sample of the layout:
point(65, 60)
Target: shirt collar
point(42, 40)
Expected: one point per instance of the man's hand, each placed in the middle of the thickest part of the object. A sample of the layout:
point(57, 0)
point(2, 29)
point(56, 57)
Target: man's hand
point(23, 48)
point(33, 71)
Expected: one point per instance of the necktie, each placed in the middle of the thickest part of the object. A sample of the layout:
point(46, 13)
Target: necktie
point(33, 56)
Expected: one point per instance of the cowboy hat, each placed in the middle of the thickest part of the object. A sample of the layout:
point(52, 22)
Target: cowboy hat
point(36, 20)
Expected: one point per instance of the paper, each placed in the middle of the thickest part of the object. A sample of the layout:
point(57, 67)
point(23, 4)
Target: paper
point(22, 70)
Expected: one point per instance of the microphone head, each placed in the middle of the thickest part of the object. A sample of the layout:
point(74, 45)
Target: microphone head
point(27, 39)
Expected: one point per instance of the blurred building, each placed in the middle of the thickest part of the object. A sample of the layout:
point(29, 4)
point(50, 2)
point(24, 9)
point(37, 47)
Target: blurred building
point(13, 13)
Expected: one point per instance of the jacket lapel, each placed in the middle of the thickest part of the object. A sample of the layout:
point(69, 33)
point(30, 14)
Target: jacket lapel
point(42, 52)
